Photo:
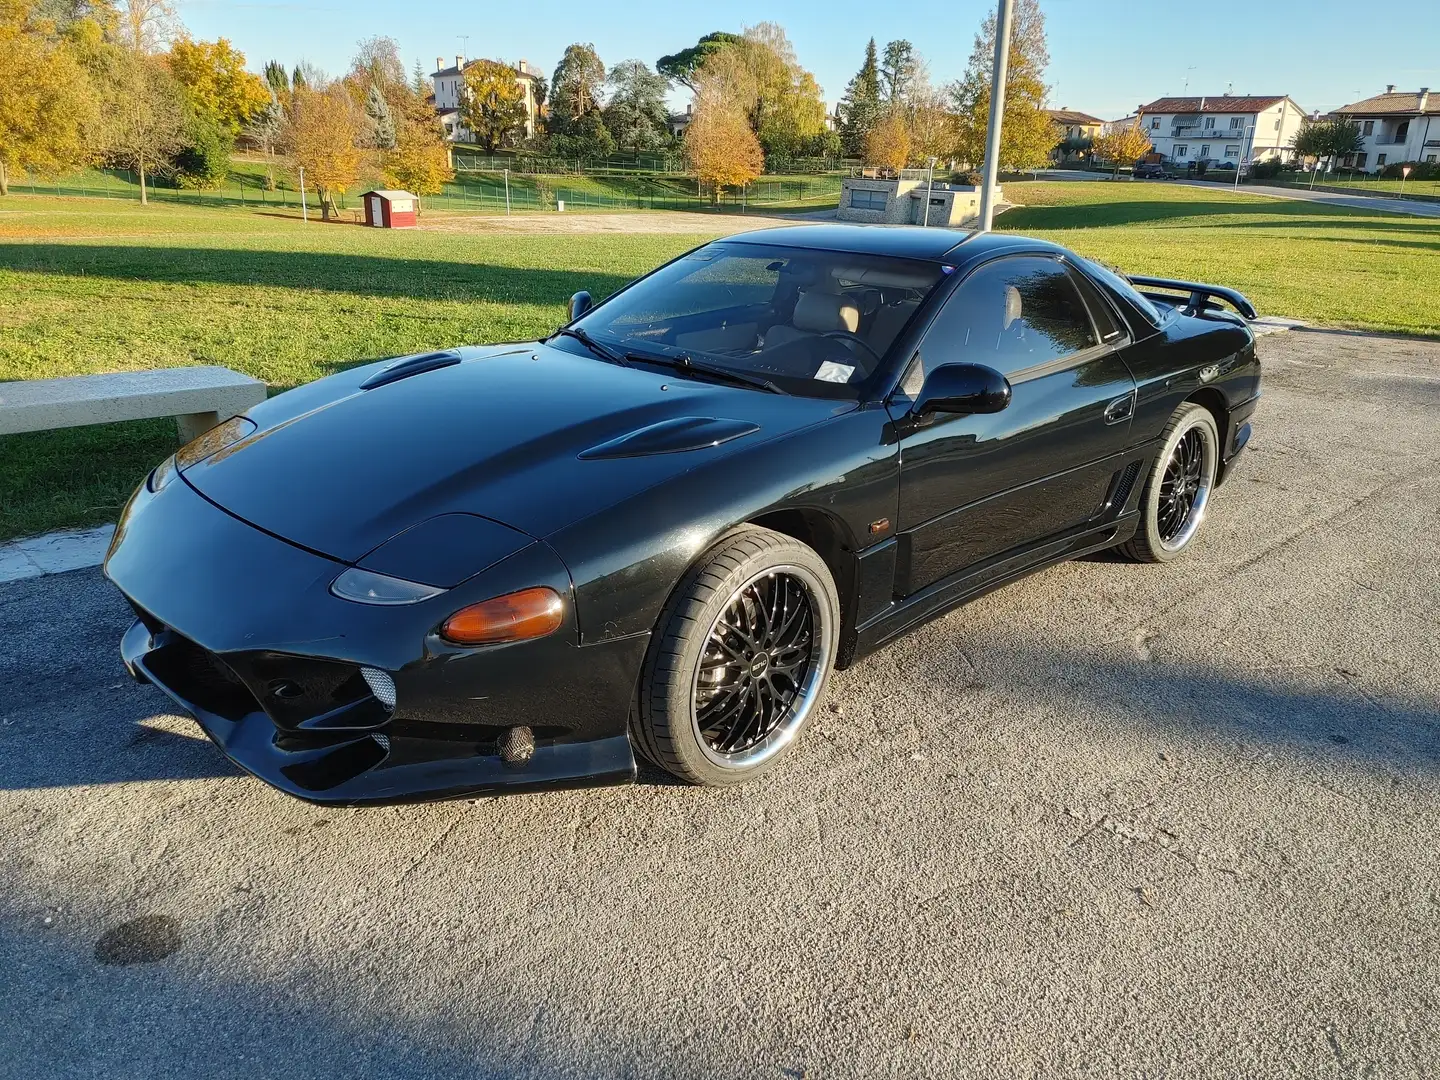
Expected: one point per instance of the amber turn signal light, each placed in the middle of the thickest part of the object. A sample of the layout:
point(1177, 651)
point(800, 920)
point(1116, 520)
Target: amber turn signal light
point(517, 616)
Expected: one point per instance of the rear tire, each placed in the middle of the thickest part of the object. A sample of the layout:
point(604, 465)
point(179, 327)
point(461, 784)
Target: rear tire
point(739, 660)
point(1177, 492)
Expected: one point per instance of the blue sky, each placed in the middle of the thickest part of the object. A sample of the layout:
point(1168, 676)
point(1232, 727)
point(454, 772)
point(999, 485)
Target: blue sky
point(1107, 56)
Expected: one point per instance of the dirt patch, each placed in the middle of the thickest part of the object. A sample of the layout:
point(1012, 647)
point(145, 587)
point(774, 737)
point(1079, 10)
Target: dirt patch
point(620, 221)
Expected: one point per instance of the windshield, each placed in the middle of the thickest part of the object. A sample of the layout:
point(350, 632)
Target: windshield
point(811, 322)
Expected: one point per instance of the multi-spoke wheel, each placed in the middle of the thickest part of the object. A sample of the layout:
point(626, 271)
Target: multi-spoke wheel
point(739, 659)
point(1178, 490)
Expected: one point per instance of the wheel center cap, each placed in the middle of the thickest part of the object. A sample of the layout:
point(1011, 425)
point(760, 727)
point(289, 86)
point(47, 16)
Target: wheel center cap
point(759, 665)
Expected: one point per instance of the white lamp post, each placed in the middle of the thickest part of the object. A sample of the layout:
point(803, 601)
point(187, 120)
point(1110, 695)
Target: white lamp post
point(997, 113)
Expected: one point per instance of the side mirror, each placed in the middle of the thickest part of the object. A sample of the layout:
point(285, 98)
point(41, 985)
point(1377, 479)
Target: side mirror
point(963, 389)
point(580, 303)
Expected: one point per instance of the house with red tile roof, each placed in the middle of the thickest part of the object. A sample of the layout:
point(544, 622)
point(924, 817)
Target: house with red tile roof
point(1222, 129)
point(1396, 126)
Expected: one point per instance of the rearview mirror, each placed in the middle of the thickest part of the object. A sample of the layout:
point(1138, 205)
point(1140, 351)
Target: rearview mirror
point(963, 389)
point(580, 303)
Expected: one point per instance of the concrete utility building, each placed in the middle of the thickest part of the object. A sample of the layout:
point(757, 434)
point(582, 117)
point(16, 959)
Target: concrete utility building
point(908, 201)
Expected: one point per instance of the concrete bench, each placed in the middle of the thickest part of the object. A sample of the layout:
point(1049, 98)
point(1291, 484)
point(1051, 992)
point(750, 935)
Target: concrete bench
point(198, 398)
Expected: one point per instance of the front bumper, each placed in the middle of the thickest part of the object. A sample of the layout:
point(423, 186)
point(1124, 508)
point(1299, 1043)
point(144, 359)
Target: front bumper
point(240, 630)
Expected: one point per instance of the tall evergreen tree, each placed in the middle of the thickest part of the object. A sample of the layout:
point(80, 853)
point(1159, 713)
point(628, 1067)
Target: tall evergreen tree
point(576, 87)
point(897, 72)
point(861, 105)
point(382, 124)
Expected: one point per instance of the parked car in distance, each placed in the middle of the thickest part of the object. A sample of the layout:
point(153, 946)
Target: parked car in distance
point(658, 531)
point(1151, 170)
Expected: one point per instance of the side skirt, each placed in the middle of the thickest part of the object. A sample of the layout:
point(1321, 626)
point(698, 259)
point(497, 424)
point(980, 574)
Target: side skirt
point(973, 583)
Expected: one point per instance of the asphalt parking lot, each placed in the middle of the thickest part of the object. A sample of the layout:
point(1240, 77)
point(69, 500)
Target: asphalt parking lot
point(1115, 820)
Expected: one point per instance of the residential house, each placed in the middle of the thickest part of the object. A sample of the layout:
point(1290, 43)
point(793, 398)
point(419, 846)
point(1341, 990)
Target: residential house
point(679, 122)
point(449, 84)
point(1396, 127)
point(1221, 129)
point(1078, 129)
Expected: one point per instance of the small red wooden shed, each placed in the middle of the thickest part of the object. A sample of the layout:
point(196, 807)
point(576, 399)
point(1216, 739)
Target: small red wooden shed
point(390, 209)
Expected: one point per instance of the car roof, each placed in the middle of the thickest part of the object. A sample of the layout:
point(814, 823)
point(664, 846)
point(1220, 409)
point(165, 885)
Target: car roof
point(900, 241)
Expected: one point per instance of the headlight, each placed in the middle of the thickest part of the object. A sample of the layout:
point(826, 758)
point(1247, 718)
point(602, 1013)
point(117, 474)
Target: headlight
point(162, 474)
point(220, 437)
point(368, 587)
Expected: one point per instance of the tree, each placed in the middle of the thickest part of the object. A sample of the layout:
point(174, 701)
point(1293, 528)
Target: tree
point(860, 108)
point(45, 101)
point(143, 117)
point(636, 114)
point(493, 103)
point(681, 67)
point(377, 63)
point(382, 125)
point(575, 88)
point(322, 134)
point(1330, 138)
point(760, 77)
point(420, 162)
point(720, 148)
point(147, 26)
point(887, 146)
point(216, 83)
point(587, 139)
point(1122, 145)
point(277, 78)
point(1027, 132)
point(897, 72)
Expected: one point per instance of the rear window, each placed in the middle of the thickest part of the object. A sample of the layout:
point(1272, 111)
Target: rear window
point(1118, 284)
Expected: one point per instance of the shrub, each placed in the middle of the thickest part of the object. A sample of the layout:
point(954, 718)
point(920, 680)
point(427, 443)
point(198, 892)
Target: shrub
point(1267, 169)
point(1419, 170)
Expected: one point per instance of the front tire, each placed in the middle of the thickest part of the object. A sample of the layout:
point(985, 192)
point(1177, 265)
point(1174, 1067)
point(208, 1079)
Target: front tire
point(1179, 487)
point(739, 660)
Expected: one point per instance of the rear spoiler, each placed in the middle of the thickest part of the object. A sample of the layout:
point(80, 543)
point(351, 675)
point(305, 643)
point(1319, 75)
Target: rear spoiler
point(1202, 297)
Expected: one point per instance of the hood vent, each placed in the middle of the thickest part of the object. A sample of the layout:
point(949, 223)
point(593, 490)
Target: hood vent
point(410, 365)
point(672, 437)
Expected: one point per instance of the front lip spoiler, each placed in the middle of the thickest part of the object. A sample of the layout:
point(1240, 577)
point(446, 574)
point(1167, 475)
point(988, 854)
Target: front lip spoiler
point(372, 768)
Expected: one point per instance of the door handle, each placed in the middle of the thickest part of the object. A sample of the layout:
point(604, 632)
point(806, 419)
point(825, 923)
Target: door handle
point(1121, 409)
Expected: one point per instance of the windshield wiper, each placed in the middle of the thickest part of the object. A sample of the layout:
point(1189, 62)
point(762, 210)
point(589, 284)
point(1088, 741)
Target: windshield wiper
point(685, 363)
point(602, 351)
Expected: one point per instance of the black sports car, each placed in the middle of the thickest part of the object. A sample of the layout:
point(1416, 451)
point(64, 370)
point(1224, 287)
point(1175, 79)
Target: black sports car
point(658, 530)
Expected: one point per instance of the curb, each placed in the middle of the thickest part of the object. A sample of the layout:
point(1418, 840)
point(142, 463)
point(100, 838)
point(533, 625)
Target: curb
point(54, 553)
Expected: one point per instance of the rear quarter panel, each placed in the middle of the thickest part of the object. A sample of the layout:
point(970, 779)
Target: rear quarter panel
point(1188, 355)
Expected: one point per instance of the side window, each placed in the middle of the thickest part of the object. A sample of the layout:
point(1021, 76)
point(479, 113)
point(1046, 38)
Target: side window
point(1010, 314)
point(1101, 313)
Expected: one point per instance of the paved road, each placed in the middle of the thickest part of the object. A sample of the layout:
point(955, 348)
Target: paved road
point(1332, 198)
point(1113, 821)
point(1357, 201)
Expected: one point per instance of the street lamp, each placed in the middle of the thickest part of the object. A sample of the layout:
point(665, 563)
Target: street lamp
point(997, 113)
point(1404, 173)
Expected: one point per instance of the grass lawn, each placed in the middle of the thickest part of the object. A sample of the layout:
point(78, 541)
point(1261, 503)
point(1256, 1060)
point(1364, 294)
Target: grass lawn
point(100, 285)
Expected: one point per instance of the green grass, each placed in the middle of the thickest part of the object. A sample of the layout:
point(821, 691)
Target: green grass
point(97, 285)
point(1363, 184)
point(1324, 264)
point(470, 190)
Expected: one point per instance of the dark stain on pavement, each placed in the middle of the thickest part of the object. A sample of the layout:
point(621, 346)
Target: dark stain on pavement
point(139, 941)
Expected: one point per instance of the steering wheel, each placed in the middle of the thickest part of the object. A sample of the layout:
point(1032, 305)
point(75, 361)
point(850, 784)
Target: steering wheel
point(851, 339)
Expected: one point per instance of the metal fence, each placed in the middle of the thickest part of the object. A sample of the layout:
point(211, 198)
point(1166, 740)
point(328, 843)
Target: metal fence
point(471, 190)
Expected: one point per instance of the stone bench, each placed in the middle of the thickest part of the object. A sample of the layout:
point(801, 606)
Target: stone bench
point(198, 398)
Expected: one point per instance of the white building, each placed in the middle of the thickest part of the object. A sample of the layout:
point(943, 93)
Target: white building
point(449, 84)
point(1402, 126)
point(1221, 129)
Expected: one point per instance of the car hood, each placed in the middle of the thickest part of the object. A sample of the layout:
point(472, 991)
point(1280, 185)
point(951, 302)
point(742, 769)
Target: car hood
point(531, 436)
